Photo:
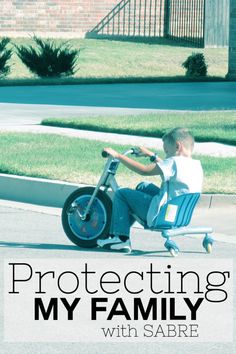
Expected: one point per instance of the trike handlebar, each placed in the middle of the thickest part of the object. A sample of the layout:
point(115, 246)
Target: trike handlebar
point(134, 151)
point(131, 151)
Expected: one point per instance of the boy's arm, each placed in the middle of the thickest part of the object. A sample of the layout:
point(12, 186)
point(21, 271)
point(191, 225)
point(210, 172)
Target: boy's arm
point(144, 170)
point(145, 151)
point(149, 153)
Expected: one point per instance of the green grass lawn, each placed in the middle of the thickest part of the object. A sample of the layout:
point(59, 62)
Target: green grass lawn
point(213, 126)
point(116, 59)
point(80, 161)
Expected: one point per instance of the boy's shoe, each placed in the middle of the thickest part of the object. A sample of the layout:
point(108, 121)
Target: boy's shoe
point(115, 244)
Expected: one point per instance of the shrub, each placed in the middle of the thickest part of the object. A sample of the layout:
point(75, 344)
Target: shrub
point(195, 65)
point(5, 55)
point(47, 59)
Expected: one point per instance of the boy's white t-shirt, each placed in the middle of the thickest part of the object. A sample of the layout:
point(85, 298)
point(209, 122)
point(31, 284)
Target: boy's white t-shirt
point(180, 175)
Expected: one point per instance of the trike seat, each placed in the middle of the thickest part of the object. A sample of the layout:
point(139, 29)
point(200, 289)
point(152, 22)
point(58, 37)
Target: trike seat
point(173, 218)
point(177, 212)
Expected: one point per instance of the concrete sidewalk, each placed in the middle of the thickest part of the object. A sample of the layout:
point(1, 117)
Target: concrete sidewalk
point(26, 114)
point(211, 148)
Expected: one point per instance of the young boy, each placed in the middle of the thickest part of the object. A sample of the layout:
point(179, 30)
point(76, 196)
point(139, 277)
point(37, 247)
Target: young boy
point(179, 173)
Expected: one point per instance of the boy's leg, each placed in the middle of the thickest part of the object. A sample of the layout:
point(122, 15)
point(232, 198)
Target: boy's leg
point(126, 201)
point(147, 187)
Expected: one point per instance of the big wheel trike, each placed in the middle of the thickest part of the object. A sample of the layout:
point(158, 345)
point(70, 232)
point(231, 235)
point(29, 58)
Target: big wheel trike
point(86, 214)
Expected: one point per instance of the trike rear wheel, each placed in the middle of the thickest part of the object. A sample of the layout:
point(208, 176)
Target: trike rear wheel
point(85, 233)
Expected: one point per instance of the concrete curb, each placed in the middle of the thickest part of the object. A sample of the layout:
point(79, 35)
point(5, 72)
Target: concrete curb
point(53, 193)
point(35, 190)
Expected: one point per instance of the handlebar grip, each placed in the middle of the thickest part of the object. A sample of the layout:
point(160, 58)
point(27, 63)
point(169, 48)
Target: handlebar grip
point(104, 154)
point(153, 158)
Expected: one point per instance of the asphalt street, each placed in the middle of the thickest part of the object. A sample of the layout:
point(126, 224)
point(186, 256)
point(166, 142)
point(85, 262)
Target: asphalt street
point(35, 230)
point(175, 96)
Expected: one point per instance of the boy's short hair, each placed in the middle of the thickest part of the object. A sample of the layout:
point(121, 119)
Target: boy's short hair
point(180, 134)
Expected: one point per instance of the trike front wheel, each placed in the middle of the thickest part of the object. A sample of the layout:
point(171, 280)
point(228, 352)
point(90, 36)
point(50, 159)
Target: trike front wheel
point(85, 233)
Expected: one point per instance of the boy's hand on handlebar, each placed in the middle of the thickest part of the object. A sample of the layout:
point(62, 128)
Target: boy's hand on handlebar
point(144, 151)
point(112, 152)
